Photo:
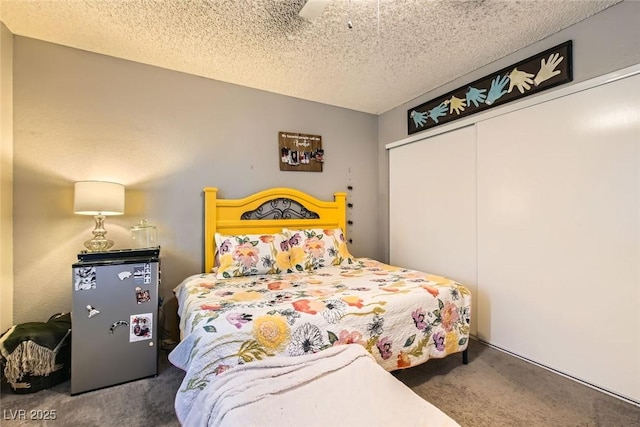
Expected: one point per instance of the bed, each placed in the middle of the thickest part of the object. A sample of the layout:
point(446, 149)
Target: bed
point(279, 281)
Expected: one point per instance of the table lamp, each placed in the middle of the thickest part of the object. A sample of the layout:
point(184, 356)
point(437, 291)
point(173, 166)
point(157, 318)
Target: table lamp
point(100, 199)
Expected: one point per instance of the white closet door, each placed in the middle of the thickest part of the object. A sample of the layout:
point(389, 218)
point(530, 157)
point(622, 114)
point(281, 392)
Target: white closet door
point(559, 234)
point(432, 207)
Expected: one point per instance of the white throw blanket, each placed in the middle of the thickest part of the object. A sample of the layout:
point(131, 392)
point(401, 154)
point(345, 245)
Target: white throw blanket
point(340, 386)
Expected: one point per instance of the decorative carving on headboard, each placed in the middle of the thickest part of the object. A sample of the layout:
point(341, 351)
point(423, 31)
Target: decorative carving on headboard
point(280, 208)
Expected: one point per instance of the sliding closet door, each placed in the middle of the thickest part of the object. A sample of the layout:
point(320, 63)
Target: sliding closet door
point(558, 234)
point(432, 207)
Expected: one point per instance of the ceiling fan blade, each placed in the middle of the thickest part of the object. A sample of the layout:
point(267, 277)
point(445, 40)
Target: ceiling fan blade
point(312, 9)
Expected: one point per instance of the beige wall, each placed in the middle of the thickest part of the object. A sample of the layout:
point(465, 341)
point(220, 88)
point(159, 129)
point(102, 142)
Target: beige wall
point(165, 135)
point(6, 178)
point(603, 43)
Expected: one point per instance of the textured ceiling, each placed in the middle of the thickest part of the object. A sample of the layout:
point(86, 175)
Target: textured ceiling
point(394, 52)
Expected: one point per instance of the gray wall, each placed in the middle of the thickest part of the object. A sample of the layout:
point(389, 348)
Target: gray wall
point(603, 43)
point(164, 135)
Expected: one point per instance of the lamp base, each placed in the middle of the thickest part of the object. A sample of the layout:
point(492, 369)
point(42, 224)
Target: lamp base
point(99, 243)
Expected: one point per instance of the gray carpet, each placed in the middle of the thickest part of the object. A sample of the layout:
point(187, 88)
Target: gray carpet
point(494, 389)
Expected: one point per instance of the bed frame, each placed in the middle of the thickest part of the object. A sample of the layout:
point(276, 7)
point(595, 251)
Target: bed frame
point(267, 211)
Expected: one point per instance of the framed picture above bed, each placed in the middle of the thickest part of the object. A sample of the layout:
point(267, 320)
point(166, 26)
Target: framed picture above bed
point(300, 152)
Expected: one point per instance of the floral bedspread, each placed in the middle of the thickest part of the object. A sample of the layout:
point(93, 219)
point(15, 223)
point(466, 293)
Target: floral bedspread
point(402, 317)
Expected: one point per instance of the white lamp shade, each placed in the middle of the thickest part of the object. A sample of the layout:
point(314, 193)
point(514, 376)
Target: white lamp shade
point(98, 198)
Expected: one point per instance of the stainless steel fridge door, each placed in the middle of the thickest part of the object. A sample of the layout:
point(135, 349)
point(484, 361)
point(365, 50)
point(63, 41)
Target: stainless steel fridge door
point(114, 324)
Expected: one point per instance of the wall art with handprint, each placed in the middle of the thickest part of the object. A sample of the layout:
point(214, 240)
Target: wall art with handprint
point(539, 72)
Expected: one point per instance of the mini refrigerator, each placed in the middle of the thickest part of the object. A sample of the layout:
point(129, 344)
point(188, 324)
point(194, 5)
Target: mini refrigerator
point(114, 336)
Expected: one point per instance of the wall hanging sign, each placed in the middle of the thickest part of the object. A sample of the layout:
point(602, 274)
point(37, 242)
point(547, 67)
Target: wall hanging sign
point(537, 73)
point(300, 152)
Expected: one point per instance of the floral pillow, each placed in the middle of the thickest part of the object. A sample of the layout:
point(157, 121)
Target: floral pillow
point(252, 254)
point(314, 248)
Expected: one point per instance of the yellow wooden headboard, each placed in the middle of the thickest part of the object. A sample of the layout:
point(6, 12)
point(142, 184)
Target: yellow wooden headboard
point(225, 215)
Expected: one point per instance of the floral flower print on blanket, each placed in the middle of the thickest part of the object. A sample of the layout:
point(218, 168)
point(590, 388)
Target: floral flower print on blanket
point(418, 318)
point(306, 339)
point(384, 347)
point(400, 316)
point(238, 319)
point(450, 316)
point(346, 337)
point(271, 331)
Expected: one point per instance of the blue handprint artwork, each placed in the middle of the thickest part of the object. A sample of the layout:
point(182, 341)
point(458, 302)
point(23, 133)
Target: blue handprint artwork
point(539, 72)
point(439, 111)
point(497, 89)
point(419, 119)
point(475, 96)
